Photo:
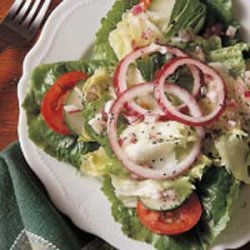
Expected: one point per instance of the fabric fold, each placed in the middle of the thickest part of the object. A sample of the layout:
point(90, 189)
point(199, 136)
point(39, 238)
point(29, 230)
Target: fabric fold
point(28, 219)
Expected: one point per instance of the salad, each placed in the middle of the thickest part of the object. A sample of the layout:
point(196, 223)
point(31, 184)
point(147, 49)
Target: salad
point(159, 114)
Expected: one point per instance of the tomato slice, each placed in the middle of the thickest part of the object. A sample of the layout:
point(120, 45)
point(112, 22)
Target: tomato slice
point(53, 101)
point(175, 222)
point(146, 3)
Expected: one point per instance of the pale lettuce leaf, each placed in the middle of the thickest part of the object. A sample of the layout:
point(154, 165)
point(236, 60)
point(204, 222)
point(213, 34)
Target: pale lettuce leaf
point(239, 163)
point(102, 48)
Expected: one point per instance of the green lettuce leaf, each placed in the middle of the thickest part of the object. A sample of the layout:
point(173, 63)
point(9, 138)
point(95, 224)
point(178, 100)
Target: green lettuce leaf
point(231, 57)
point(108, 164)
point(206, 44)
point(98, 163)
point(149, 65)
point(219, 11)
point(199, 168)
point(102, 49)
point(238, 164)
point(90, 110)
point(64, 148)
point(186, 14)
point(217, 192)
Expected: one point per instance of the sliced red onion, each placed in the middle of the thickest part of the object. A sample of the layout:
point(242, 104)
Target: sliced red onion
point(173, 112)
point(247, 94)
point(120, 75)
point(167, 172)
point(137, 9)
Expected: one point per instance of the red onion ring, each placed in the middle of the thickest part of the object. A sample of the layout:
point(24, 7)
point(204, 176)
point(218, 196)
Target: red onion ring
point(172, 111)
point(120, 75)
point(166, 172)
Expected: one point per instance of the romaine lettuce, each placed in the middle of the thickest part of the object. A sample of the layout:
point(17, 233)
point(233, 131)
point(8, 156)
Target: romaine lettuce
point(206, 44)
point(231, 57)
point(159, 12)
point(219, 11)
point(186, 14)
point(237, 164)
point(133, 31)
point(102, 48)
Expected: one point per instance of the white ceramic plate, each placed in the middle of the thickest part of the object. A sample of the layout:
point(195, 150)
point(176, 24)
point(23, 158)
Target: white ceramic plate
point(67, 34)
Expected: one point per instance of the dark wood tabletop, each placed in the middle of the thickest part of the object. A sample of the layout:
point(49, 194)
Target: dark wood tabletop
point(11, 62)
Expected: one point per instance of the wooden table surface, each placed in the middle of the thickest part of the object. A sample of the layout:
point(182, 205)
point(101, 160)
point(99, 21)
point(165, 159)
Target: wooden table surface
point(10, 72)
point(11, 61)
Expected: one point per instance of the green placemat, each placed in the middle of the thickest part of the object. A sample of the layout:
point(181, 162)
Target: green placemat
point(28, 219)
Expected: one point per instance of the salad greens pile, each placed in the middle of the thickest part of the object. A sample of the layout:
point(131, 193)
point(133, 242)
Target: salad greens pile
point(206, 30)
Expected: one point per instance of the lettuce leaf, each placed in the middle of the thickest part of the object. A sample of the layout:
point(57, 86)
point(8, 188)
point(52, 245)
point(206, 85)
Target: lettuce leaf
point(217, 192)
point(206, 44)
point(128, 190)
point(102, 49)
point(186, 14)
point(90, 110)
point(219, 11)
point(133, 31)
point(98, 163)
point(149, 65)
point(64, 148)
point(108, 164)
point(238, 164)
point(231, 57)
point(159, 12)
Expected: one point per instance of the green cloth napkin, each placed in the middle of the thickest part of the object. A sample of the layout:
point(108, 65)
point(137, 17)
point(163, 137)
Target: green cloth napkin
point(28, 219)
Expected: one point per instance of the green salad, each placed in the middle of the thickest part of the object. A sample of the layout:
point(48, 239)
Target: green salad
point(159, 114)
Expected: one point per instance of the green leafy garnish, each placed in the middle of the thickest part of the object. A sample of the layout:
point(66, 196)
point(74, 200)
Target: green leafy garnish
point(186, 14)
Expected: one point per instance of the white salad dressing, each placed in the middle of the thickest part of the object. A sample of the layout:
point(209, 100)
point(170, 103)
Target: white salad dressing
point(154, 145)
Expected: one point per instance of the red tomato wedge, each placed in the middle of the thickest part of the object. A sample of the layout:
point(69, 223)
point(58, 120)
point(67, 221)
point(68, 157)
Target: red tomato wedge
point(146, 3)
point(174, 222)
point(53, 101)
